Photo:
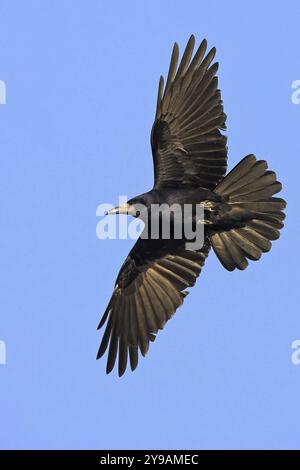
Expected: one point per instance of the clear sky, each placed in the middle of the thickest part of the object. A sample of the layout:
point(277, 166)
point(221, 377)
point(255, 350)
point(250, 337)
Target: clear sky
point(81, 81)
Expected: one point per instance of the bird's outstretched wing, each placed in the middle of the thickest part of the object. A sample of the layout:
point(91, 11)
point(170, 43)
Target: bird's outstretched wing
point(187, 145)
point(149, 288)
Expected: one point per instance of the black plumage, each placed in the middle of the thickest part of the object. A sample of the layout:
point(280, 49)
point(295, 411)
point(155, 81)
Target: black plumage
point(242, 215)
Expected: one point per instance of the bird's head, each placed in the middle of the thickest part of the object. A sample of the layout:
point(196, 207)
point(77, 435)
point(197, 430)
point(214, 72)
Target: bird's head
point(134, 207)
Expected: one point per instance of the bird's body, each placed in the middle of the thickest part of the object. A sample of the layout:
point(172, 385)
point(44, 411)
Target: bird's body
point(217, 213)
point(240, 213)
point(181, 195)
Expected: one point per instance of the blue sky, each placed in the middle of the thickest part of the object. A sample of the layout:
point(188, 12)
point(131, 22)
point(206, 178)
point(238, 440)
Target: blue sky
point(81, 81)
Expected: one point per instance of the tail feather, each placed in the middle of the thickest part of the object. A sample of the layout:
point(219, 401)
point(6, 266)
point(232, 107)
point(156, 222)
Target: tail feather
point(249, 187)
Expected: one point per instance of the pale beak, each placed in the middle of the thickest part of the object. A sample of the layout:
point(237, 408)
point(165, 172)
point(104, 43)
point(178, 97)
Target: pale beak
point(123, 209)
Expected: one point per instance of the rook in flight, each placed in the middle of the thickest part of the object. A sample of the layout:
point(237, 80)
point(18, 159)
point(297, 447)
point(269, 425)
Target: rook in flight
point(242, 215)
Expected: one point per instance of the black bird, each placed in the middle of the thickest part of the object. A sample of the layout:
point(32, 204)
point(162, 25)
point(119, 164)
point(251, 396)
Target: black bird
point(190, 161)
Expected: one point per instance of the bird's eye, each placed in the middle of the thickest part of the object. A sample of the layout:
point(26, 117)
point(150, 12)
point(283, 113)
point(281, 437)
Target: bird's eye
point(138, 213)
